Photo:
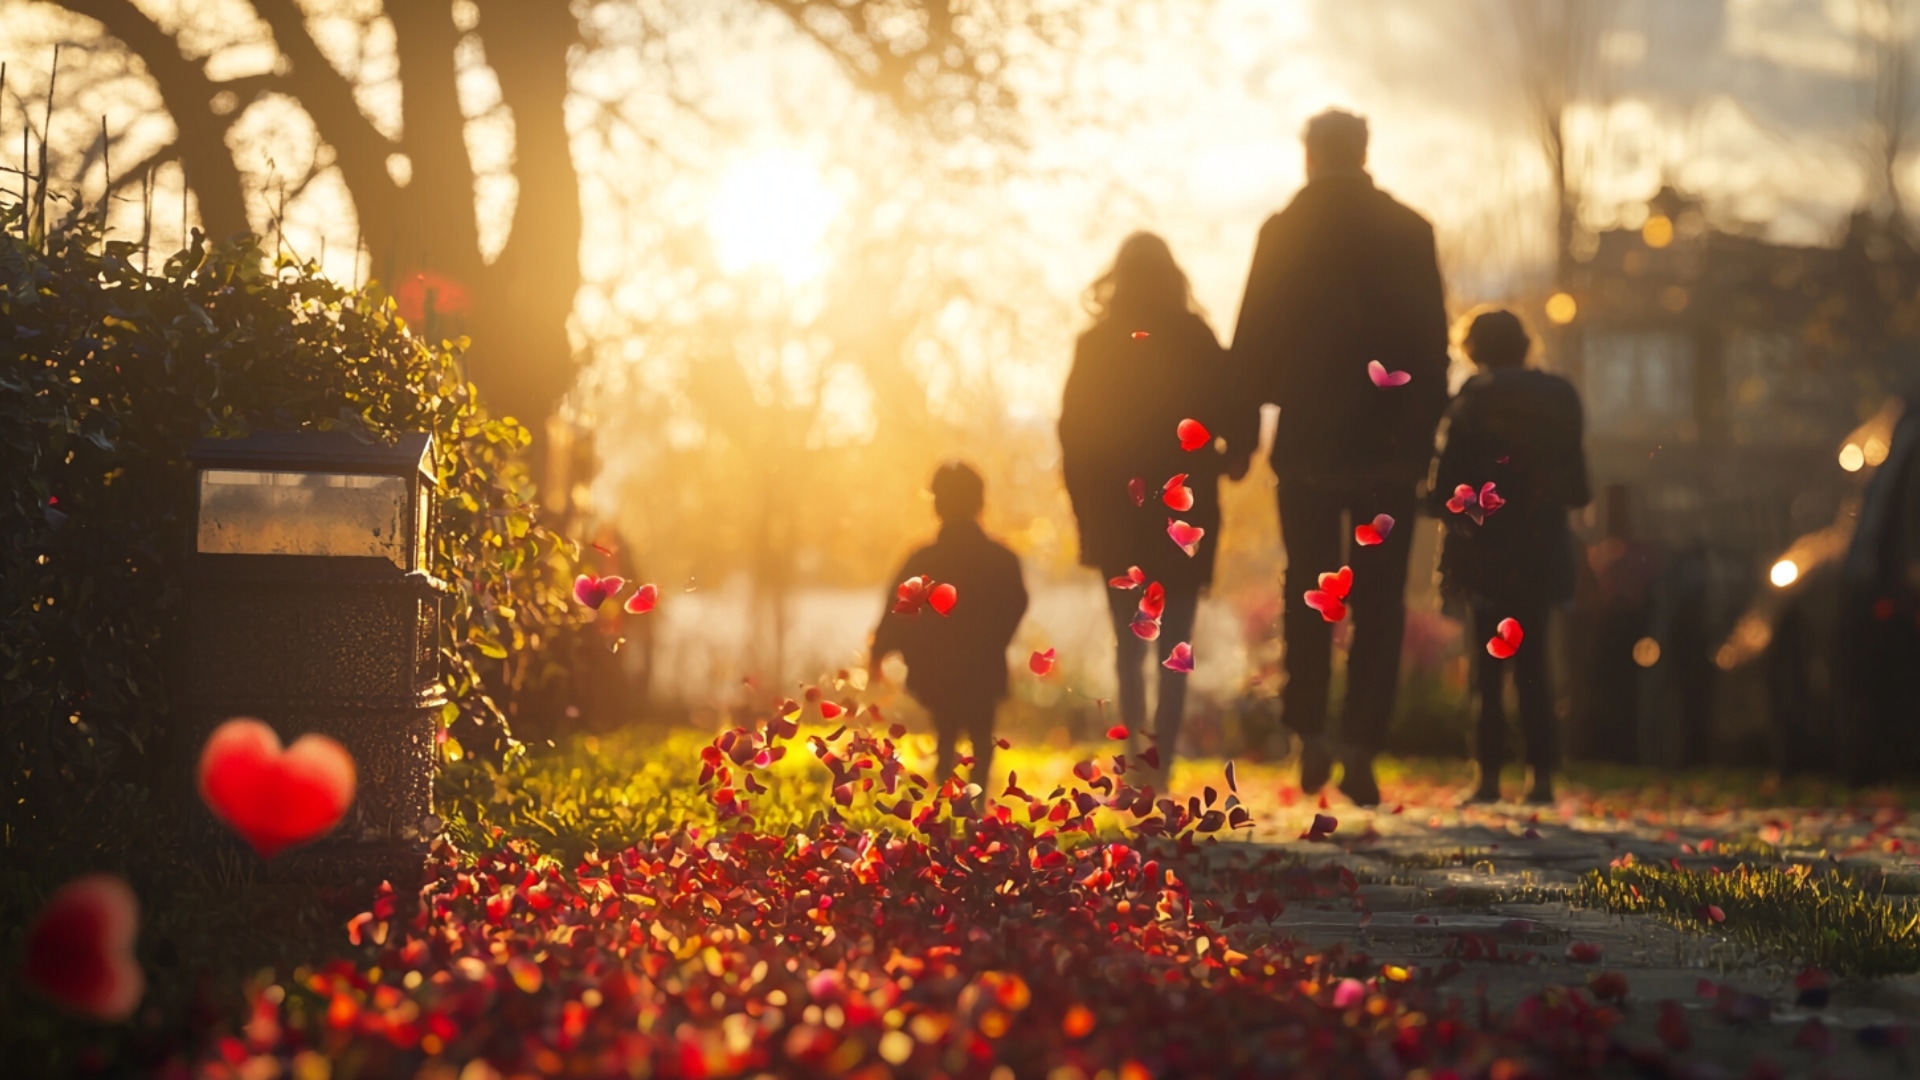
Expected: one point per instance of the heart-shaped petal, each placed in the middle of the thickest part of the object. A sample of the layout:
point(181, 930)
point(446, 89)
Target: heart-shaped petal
point(1381, 377)
point(1132, 579)
point(1373, 533)
point(1327, 604)
point(942, 597)
point(1506, 639)
point(1153, 602)
point(1337, 583)
point(1180, 659)
point(80, 948)
point(1177, 495)
point(1145, 627)
point(273, 798)
point(910, 595)
point(1137, 491)
point(1193, 435)
point(1040, 663)
point(642, 600)
point(592, 591)
point(1489, 499)
point(1185, 535)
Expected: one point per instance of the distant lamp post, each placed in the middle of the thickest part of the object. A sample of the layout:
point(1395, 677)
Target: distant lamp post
point(310, 607)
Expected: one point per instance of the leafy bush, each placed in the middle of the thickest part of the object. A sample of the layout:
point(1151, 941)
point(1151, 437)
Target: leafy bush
point(111, 373)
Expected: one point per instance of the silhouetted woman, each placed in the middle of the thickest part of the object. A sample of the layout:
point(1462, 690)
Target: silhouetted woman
point(1148, 362)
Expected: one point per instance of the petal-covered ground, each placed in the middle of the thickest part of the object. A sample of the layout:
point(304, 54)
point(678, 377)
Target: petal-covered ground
point(744, 911)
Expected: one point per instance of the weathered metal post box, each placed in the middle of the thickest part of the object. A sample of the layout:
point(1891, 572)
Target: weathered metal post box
point(311, 608)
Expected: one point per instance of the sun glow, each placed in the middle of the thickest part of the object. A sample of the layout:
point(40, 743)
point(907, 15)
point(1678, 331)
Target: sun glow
point(771, 211)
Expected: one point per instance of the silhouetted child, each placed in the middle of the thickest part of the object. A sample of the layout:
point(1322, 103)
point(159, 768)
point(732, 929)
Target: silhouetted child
point(1518, 429)
point(957, 662)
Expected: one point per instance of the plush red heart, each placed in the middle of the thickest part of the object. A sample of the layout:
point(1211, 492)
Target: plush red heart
point(1505, 640)
point(1180, 659)
point(1381, 377)
point(593, 591)
point(1040, 663)
point(80, 948)
point(642, 600)
point(1185, 535)
point(942, 598)
point(1132, 579)
point(275, 798)
point(1153, 602)
point(1177, 495)
point(1137, 491)
point(1375, 532)
point(909, 595)
point(1193, 435)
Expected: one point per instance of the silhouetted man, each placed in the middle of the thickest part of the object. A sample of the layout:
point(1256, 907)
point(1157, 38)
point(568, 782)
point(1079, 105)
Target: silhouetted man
point(1343, 277)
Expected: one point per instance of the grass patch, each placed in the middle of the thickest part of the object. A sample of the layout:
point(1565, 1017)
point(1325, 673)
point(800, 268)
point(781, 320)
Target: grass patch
point(1843, 923)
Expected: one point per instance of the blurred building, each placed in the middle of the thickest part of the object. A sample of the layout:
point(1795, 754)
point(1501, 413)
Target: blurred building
point(1720, 374)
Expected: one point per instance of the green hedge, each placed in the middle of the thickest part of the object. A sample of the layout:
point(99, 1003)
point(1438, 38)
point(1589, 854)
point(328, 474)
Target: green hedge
point(109, 373)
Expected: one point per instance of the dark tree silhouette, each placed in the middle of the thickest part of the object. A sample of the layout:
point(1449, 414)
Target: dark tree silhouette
point(943, 63)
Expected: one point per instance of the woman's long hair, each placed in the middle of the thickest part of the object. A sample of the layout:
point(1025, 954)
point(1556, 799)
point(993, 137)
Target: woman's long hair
point(1143, 280)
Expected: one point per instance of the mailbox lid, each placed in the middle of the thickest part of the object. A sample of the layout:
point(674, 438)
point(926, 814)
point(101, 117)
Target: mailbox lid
point(317, 451)
point(321, 494)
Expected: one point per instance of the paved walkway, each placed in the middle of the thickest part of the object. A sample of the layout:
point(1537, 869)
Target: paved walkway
point(1488, 887)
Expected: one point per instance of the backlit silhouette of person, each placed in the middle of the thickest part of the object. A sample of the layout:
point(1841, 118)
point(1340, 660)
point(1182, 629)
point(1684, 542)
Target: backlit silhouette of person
point(1343, 277)
point(1520, 429)
point(1148, 362)
point(957, 663)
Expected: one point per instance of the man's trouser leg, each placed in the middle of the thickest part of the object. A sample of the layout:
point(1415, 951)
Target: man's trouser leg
point(1310, 530)
point(1379, 606)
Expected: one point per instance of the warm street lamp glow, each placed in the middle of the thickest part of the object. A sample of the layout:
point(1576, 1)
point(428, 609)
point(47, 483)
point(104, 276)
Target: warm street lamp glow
point(1783, 574)
point(771, 211)
point(1561, 309)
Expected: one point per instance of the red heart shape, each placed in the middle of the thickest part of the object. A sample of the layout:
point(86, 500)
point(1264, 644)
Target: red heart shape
point(1193, 435)
point(642, 600)
point(1339, 583)
point(593, 591)
point(1381, 377)
point(1506, 639)
point(1177, 495)
point(942, 598)
point(1132, 579)
point(1145, 627)
point(80, 948)
point(1040, 663)
point(1153, 602)
point(275, 799)
point(1327, 604)
point(1137, 491)
point(1185, 535)
point(1489, 500)
point(1374, 532)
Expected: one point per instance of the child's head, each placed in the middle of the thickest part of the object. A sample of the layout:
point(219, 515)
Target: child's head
point(958, 492)
point(1495, 339)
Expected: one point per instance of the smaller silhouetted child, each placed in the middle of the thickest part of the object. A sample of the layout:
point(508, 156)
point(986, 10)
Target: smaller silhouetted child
point(1519, 429)
point(957, 663)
